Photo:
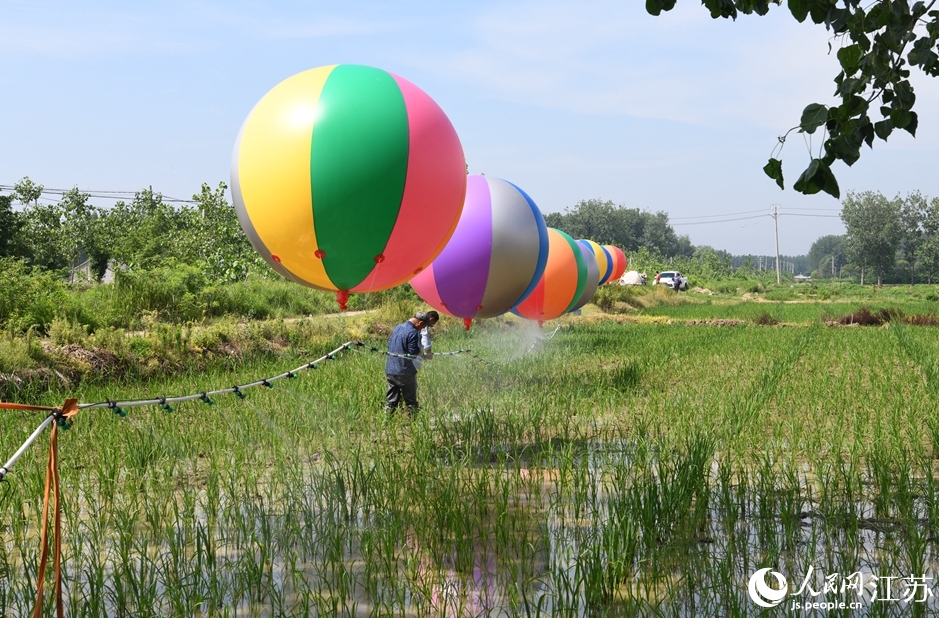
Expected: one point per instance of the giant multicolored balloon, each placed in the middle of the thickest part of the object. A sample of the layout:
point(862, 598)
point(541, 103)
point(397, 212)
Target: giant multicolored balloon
point(604, 259)
point(619, 262)
point(495, 257)
point(593, 275)
point(563, 281)
point(348, 178)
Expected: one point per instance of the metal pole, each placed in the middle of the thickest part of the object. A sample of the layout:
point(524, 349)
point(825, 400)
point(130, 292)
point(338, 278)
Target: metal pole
point(6, 467)
point(776, 221)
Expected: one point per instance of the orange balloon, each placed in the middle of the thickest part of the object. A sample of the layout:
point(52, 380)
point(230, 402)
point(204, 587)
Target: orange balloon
point(619, 262)
point(563, 281)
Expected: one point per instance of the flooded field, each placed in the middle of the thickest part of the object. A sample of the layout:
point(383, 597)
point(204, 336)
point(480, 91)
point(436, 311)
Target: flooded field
point(612, 470)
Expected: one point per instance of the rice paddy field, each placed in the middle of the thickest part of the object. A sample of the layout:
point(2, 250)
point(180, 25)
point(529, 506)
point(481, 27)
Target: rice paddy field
point(596, 467)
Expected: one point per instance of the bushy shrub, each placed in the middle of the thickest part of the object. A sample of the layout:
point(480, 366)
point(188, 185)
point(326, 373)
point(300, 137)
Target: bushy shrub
point(616, 298)
point(29, 296)
point(780, 294)
point(15, 355)
point(174, 292)
point(724, 287)
point(63, 331)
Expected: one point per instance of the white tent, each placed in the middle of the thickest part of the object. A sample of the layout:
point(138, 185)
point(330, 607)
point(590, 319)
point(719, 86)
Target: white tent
point(632, 277)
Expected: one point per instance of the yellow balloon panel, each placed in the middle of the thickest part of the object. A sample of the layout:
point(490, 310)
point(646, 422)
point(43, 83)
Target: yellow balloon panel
point(274, 173)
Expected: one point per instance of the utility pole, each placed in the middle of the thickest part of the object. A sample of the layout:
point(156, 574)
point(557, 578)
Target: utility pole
point(776, 222)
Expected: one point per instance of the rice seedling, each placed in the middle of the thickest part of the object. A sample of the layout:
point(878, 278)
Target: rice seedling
point(614, 469)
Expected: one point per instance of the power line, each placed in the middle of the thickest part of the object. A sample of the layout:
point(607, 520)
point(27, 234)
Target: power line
point(726, 214)
point(722, 220)
point(103, 194)
point(794, 214)
point(789, 214)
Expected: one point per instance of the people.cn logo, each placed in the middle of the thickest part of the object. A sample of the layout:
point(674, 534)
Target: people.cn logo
point(762, 594)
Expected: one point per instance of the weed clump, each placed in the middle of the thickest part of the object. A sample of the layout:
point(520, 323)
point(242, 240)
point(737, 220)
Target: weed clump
point(765, 319)
point(922, 320)
point(865, 317)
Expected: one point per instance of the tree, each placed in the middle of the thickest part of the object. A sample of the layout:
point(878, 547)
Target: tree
point(628, 228)
point(746, 267)
point(42, 231)
point(219, 239)
point(27, 192)
point(873, 231)
point(10, 224)
point(929, 249)
point(878, 43)
point(40, 227)
point(83, 232)
point(827, 255)
point(912, 211)
point(658, 235)
point(711, 263)
point(597, 220)
point(147, 232)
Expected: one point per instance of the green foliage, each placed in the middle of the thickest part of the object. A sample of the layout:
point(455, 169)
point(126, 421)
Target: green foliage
point(929, 255)
point(147, 232)
point(10, 225)
point(624, 298)
point(53, 236)
point(15, 354)
point(43, 233)
point(628, 228)
point(173, 291)
point(217, 240)
point(705, 264)
point(83, 232)
point(880, 43)
point(826, 256)
point(27, 192)
point(29, 296)
point(873, 231)
point(912, 235)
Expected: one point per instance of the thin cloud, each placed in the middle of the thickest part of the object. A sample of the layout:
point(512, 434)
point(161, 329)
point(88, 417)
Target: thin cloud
point(184, 28)
point(582, 59)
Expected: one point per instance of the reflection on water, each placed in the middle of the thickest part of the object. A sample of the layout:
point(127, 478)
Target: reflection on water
point(573, 529)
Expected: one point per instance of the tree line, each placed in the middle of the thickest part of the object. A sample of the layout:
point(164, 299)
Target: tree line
point(141, 234)
point(886, 240)
point(146, 233)
point(628, 228)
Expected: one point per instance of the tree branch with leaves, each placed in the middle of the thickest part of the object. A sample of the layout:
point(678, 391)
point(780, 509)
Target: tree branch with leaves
point(879, 42)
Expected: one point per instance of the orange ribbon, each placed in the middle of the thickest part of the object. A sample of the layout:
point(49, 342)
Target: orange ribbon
point(22, 406)
point(67, 411)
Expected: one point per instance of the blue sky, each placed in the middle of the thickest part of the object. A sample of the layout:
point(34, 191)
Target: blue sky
point(568, 100)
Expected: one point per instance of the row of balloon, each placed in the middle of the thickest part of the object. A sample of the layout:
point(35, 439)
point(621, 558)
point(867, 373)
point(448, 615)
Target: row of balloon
point(351, 179)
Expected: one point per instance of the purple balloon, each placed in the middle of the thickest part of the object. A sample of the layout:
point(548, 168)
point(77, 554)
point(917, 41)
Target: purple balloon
point(495, 257)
